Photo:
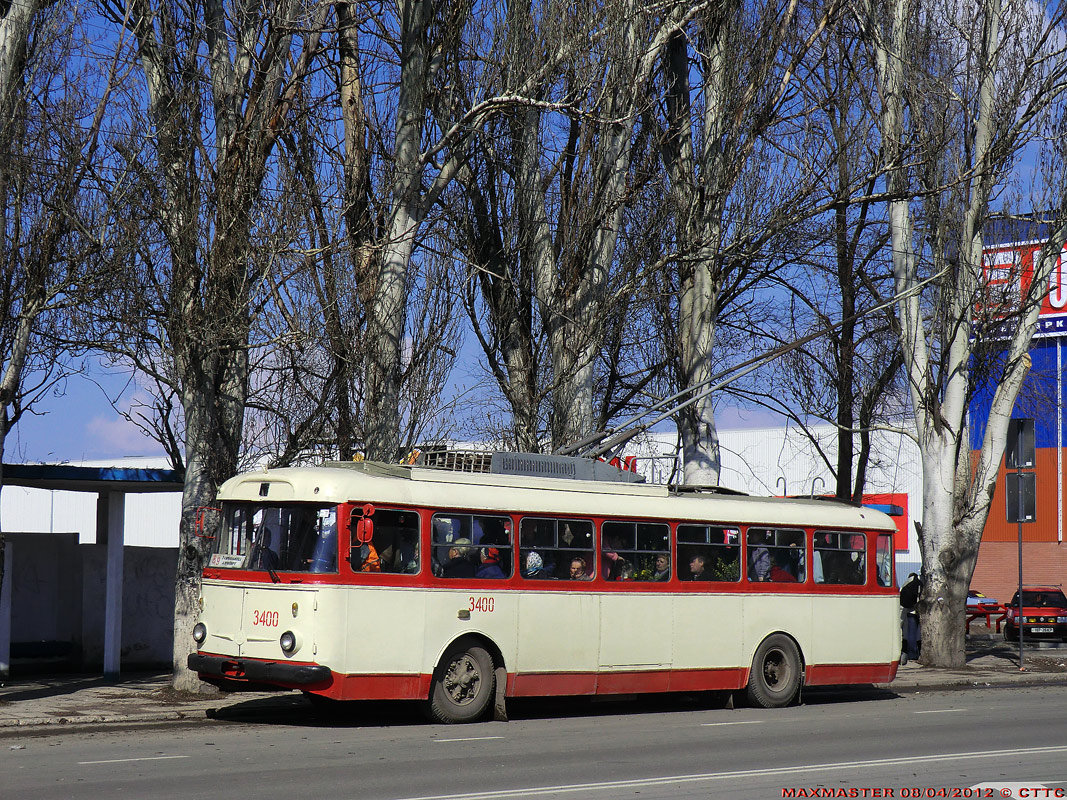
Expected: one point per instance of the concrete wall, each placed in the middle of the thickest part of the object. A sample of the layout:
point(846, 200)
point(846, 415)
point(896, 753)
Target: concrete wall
point(57, 595)
point(147, 606)
point(46, 587)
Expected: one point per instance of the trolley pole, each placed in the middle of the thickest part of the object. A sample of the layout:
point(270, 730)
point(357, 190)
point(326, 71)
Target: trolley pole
point(1021, 495)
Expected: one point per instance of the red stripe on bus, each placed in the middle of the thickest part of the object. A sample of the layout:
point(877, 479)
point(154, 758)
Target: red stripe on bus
point(378, 687)
point(831, 674)
point(541, 684)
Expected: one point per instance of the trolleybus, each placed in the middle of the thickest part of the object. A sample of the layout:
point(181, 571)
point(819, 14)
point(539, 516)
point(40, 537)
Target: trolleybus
point(359, 581)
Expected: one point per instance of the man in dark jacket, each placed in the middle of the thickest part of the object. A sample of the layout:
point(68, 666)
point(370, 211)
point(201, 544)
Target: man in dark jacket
point(909, 617)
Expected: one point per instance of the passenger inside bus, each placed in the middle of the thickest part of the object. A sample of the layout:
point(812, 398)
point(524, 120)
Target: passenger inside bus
point(535, 568)
point(401, 554)
point(615, 566)
point(662, 567)
point(369, 561)
point(760, 564)
point(490, 567)
point(579, 570)
point(324, 554)
point(263, 556)
point(459, 564)
point(698, 568)
point(781, 569)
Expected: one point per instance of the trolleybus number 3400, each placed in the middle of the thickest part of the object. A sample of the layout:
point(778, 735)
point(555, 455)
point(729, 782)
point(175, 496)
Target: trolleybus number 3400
point(481, 604)
point(268, 619)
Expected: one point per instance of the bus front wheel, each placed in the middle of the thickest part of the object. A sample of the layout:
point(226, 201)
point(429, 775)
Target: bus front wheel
point(463, 685)
point(776, 671)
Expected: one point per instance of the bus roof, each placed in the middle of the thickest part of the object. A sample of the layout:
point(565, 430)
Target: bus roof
point(390, 484)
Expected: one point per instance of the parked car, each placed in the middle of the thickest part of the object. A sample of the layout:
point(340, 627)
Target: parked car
point(978, 602)
point(1044, 614)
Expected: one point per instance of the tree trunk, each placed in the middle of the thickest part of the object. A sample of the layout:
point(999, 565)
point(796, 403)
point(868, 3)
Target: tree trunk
point(387, 316)
point(696, 342)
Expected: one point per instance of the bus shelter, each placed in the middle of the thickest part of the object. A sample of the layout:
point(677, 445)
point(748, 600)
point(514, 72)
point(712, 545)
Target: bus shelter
point(111, 485)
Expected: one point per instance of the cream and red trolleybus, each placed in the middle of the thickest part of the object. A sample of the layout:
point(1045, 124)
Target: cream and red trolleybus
point(358, 581)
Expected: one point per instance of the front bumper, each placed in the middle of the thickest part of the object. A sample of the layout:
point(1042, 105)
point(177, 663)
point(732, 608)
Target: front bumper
point(271, 672)
point(1045, 630)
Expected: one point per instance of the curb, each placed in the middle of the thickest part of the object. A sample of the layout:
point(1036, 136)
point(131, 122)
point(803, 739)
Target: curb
point(981, 681)
point(98, 719)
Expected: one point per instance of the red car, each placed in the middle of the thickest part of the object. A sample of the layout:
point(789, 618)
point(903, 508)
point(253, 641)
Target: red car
point(1044, 614)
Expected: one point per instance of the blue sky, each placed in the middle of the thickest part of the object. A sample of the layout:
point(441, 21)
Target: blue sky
point(79, 424)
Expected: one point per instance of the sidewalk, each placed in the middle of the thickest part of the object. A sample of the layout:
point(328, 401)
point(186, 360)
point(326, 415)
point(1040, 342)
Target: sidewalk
point(48, 703)
point(33, 702)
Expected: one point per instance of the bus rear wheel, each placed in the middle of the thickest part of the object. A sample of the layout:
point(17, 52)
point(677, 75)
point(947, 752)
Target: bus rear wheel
point(776, 671)
point(463, 685)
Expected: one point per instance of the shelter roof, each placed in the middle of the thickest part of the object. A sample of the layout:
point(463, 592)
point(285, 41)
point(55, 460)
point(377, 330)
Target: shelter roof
point(67, 477)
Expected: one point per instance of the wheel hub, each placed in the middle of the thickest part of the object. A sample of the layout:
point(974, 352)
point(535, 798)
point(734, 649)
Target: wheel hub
point(462, 679)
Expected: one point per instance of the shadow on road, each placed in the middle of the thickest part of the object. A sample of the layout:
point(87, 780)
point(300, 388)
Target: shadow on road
point(298, 711)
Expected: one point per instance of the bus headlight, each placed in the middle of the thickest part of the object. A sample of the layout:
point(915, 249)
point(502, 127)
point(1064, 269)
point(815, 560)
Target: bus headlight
point(199, 632)
point(288, 642)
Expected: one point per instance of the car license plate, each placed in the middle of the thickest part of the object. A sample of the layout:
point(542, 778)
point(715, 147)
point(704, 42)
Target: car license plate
point(1041, 630)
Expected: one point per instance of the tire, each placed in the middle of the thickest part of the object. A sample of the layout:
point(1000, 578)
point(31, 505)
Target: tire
point(1010, 635)
point(776, 674)
point(463, 685)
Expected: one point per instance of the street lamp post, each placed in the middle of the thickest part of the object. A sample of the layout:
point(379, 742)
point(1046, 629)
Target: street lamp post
point(1021, 494)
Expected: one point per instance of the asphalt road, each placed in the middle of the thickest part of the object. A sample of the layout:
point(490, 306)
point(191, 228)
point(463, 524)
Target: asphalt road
point(924, 743)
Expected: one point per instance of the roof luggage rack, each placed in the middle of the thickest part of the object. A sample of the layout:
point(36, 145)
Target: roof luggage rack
point(685, 488)
point(531, 465)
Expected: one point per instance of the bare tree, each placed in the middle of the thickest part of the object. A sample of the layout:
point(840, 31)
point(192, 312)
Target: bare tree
point(191, 285)
point(544, 214)
point(962, 89)
point(49, 220)
point(722, 98)
point(835, 274)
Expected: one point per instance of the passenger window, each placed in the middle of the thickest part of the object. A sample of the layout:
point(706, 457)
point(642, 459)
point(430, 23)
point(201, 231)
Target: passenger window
point(776, 555)
point(394, 546)
point(396, 539)
point(635, 551)
point(563, 546)
point(472, 546)
point(709, 553)
point(840, 558)
point(885, 559)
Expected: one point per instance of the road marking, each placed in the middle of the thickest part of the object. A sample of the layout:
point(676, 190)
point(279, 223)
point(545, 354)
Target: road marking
point(744, 722)
point(470, 739)
point(941, 711)
point(705, 777)
point(124, 760)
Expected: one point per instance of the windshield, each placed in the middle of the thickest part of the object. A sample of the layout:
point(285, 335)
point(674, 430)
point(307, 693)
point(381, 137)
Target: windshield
point(286, 538)
point(1041, 599)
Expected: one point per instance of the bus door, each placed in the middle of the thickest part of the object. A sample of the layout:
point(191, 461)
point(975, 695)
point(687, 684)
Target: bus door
point(635, 624)
point(559, 614)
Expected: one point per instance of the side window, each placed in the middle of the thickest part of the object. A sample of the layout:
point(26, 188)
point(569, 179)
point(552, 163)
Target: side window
point(394, 544)
point(471, 546)
point(635, 551)
point(396, 538)
point(709, 553)
point(840, 558)
point(885, 559)
point(776, 555)
point(564, 548)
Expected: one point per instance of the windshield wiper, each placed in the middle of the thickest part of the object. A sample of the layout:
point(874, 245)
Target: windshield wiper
point(273, 575)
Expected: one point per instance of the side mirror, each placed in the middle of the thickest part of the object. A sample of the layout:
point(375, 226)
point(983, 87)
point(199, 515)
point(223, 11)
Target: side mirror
point(362, 528)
